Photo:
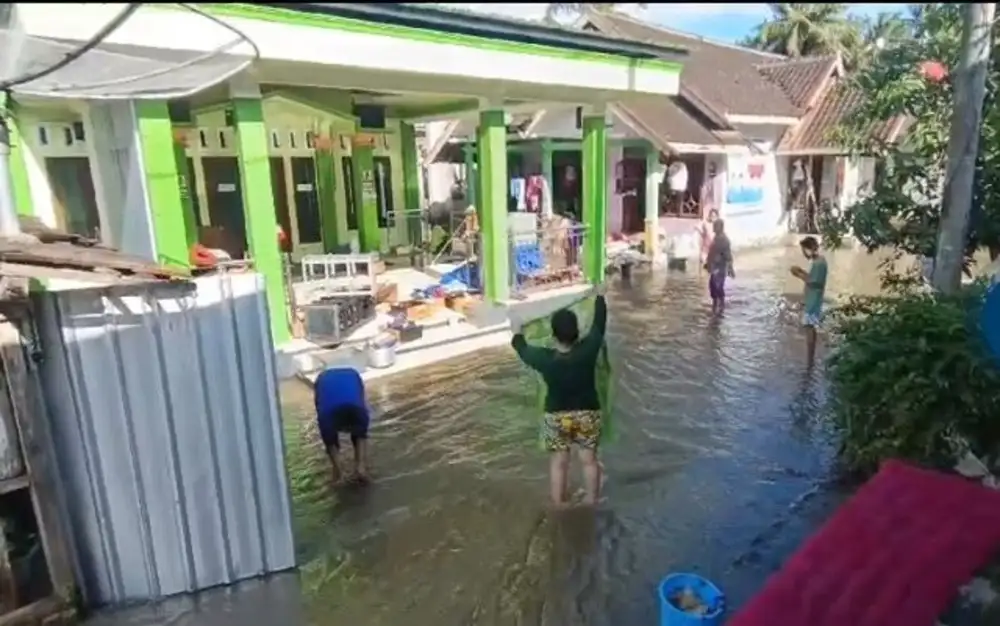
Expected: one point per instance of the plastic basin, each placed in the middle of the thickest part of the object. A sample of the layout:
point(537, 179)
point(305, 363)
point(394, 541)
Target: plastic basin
point(707, 592)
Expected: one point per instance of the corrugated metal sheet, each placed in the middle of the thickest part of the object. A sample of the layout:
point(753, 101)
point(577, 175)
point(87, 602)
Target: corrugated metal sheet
point(168, 436)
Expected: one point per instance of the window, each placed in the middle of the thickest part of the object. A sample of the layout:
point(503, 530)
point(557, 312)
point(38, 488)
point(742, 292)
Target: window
point(347, 169)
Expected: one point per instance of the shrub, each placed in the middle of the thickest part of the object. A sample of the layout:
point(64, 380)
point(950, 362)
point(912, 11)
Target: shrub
point(908, 374)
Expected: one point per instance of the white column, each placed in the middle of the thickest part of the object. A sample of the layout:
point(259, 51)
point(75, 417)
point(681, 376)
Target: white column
point(116, 164)
point(655, 172)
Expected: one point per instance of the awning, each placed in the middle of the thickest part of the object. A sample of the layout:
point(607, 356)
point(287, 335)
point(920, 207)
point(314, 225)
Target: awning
point(115, 72)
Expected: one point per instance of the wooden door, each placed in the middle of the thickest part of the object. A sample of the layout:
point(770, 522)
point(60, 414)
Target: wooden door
point(225, 203)
point(307, 213)
point(279, 189)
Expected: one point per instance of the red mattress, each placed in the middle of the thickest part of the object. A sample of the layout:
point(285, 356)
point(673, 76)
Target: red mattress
point(894, 555)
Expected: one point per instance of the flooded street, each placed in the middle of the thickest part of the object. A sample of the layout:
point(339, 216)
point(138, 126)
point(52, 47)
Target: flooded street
point(722, 466)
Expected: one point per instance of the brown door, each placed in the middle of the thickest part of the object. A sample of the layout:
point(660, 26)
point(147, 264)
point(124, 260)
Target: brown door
point(225, 203)
point(306, 200)
point(74, 196)
point(279, 188)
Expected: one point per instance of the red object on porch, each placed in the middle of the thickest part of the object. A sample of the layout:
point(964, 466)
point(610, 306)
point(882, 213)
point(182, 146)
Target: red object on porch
point(894, 555)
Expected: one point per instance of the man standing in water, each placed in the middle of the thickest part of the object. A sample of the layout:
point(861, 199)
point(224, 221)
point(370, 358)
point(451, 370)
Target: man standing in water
point(341, 408)
point(572, 405)
point(719, 263)
point(815, 286)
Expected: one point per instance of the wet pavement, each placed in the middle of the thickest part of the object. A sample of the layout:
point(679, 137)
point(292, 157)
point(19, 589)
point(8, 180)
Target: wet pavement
point(722, 467)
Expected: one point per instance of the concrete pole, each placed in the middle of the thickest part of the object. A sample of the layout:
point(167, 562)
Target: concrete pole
point(9, 224)
point(963, 145)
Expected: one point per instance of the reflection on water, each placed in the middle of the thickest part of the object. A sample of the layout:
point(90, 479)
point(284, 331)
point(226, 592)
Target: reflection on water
point(721, 467)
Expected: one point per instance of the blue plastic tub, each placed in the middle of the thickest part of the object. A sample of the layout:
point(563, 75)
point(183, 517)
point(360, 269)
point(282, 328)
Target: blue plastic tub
point(708, 593)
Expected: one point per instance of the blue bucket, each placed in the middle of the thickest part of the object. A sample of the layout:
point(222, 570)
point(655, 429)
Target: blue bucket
point(707, 593)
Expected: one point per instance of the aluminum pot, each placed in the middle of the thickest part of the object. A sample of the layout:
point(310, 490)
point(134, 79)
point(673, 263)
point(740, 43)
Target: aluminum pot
point(382, 351)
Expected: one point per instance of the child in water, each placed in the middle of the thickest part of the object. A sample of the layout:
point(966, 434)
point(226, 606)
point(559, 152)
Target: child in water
point(341, 408)
point(572, 406)
point(815, 286)
point(719, 263)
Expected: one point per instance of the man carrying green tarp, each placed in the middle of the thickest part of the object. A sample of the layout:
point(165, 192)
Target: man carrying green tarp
point(575, 377)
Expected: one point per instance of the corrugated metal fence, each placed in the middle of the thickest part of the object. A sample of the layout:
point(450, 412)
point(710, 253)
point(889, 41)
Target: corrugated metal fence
point(167, 433)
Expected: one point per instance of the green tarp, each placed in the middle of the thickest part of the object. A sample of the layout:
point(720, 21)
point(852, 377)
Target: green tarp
point(539, 333)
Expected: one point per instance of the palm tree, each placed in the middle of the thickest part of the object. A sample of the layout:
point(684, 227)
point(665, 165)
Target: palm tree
point(798, 30)
point(556, 10)
point(886, 29)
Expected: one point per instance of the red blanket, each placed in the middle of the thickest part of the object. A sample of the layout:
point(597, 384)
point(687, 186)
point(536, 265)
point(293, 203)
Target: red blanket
point(894, 555)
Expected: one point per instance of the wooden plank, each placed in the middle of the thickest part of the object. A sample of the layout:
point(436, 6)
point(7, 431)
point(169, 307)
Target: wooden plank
point(13, 484)
point(24, 392)
point(62, 254)
point(42, 272)
point(8, 584)
point(49, 611)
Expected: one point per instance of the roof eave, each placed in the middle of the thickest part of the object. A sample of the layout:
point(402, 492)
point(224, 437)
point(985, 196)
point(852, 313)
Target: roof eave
point(423, 16)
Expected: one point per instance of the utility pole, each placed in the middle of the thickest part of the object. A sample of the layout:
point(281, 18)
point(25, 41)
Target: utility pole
point(963, 144)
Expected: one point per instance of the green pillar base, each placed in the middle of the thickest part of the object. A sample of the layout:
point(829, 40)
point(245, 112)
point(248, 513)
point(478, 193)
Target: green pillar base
point(369, 235)
point(595, 197)
point(258, 208)
point(493, 192)
point(172, 224)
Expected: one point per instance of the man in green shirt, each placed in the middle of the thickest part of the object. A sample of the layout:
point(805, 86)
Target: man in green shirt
point(815, 286)
point(572, 405)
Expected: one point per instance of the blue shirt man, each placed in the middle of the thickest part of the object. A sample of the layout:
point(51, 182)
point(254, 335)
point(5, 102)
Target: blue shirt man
point(339, 394)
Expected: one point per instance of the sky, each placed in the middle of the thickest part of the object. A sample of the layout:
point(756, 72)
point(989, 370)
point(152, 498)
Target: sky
point(725, 22)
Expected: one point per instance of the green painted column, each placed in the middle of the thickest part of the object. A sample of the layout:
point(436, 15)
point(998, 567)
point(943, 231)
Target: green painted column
point(258, 209)
point(369, 235)
point(492, 147)
point(595, 196)
point(163, 183)
point(188, 191)
point(411, 181)
point(18, 163)
point(326, 188)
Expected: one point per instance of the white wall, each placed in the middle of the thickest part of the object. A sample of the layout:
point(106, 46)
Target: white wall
point(754, 223)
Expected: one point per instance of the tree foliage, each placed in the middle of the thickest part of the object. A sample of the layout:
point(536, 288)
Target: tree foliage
point(798, 30)
point(903, 207)
point(910, 378)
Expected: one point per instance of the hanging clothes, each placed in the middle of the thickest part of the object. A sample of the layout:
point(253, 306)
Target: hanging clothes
point(518, 188)
point(534, 193)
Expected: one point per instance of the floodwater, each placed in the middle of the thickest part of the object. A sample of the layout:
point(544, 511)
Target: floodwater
point(722, 466)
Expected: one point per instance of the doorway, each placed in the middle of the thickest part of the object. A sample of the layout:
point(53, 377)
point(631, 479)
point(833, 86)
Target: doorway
point(225, 204)
point(567, 186)
point(74, 196)
point(279, 189)
point(307, 211)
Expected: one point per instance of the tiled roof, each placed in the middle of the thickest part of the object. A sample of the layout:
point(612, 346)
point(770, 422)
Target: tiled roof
point(725, 76)
point(800, 79)
point(813, 132)
point(671, 119)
